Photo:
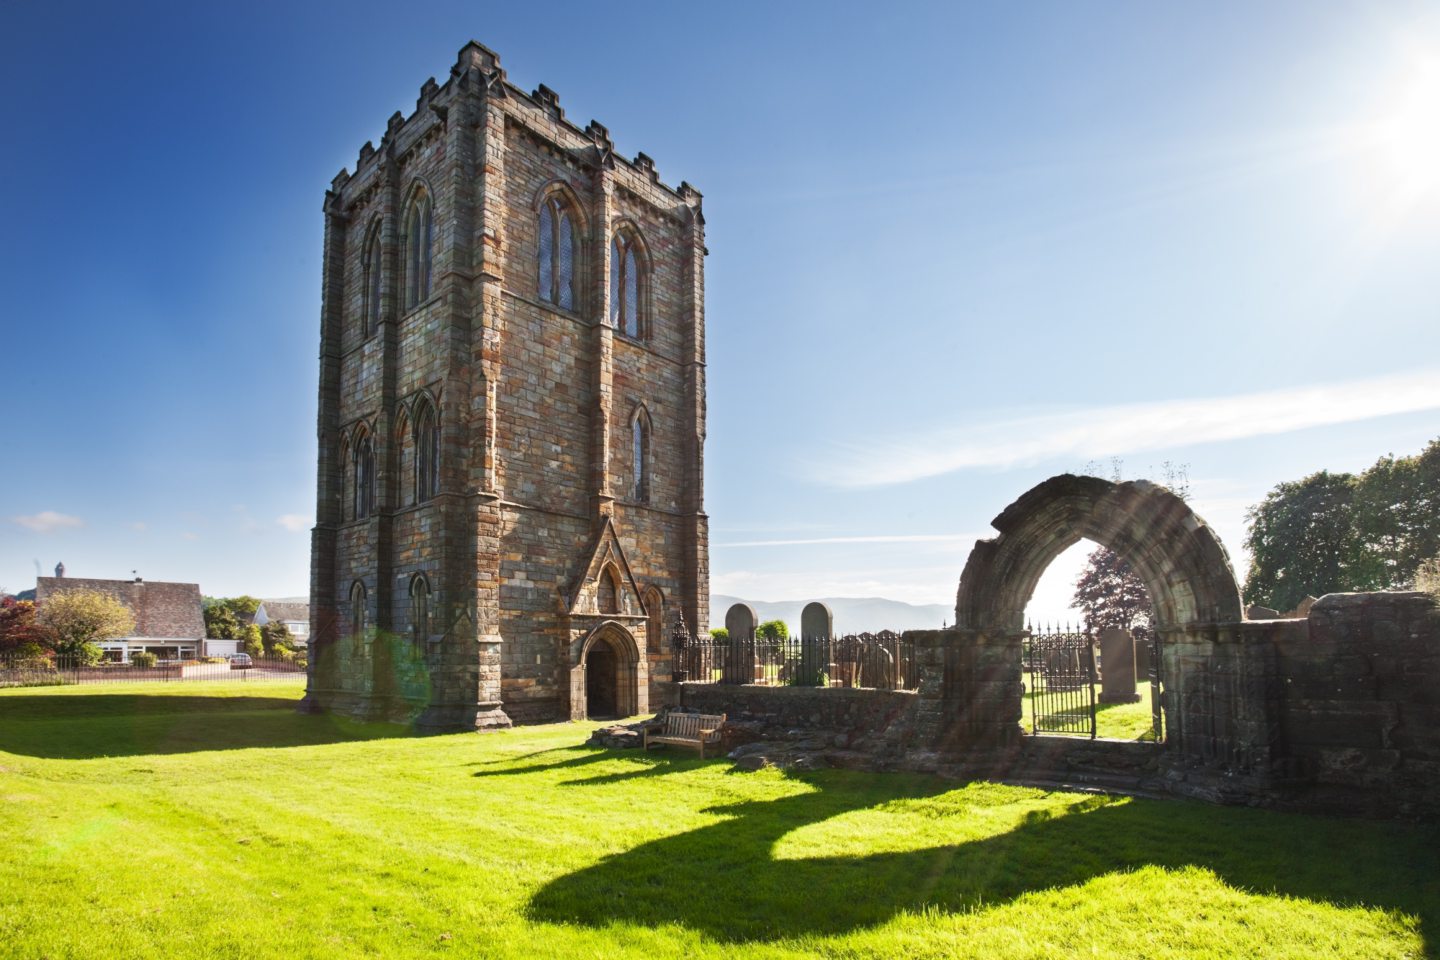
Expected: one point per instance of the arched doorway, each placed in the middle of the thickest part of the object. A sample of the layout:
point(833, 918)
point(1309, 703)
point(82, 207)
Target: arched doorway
point(608, 678)
point(602, 681)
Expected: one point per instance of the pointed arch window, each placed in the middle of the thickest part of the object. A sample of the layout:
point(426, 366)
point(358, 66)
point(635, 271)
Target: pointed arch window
point(627, 285)
point(373, 270)
point(357, 615)
point(640, 457)
point(419, 249)
point(427, 455)
point(557, 253)
point(364, 470)
point(419, 608)
point(607, 592)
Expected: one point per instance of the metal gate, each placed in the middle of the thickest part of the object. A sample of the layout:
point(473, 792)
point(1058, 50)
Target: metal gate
point(1061, 687)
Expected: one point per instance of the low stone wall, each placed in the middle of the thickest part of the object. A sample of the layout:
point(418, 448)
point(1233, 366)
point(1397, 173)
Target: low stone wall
point(1358, 706)
point(881, 722)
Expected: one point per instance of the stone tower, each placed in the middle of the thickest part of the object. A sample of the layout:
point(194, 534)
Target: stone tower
point(510, 510)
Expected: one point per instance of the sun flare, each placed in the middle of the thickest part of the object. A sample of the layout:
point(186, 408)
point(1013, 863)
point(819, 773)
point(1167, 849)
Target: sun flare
point(1405, 142)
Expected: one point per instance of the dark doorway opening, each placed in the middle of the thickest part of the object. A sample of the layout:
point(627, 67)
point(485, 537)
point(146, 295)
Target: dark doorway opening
point(601, 682)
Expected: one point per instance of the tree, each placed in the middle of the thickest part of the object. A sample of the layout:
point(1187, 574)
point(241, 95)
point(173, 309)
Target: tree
point(773, 631)
point(277, 639)
point(18, 627)
point(1111, 594)
point(719, 634)
point(252, 641)
point(1397, 519)
point(220, 623)
point(79, 619)
point(1303, 542)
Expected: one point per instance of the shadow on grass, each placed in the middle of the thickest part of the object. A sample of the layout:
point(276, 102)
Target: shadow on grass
point(85, 727)
point(724, 880)
point(579, 758)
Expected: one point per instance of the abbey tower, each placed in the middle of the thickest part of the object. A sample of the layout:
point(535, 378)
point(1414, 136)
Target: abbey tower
point(510, 511)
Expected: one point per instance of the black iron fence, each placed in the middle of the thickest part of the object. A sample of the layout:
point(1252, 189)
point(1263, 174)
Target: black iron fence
point(46, 671)
point(879, 661)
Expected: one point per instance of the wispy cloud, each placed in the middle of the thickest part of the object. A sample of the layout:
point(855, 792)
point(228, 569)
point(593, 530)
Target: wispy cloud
point(139, 526)
point(190, 535)
point(48, 521)
point(294, 522)
point(1130, 428)
point(881, 538)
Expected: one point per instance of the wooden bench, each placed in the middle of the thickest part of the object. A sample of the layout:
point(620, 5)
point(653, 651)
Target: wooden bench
point(686, 730)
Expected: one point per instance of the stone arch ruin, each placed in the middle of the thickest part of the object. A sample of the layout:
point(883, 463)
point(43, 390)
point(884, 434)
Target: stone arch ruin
point(1185, 567)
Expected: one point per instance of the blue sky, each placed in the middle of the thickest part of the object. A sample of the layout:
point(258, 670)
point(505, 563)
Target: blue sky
point(955, 249)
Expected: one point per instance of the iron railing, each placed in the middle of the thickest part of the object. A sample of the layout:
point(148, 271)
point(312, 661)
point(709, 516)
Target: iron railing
point(879, 661)
point(59, 670)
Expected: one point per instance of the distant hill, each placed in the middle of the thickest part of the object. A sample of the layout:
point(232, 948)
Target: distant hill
point(852, 614)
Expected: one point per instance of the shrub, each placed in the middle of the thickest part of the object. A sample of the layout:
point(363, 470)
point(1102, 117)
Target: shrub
point(254, 643)
point(719, 634)
point(144, 660)
point(32, 654)
point(302, 661)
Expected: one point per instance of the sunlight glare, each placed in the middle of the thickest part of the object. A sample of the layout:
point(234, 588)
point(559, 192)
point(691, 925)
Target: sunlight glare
point(1406, 141)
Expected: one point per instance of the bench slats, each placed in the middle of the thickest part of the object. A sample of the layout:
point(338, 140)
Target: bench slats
point(688, 729)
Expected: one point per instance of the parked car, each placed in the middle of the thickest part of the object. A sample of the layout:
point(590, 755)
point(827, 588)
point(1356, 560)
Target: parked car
point(241, 661)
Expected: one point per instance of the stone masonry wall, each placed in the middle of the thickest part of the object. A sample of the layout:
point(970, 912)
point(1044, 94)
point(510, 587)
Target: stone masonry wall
point(534, 402)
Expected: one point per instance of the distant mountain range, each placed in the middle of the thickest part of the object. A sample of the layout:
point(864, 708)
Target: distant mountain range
point(852, 614)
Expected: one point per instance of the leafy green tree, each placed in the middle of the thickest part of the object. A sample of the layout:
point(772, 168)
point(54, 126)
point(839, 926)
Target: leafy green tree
point(244, 606)
point(773, 631)
point(1397, 518)
point(253, 642)
point(221, 623)
point(277, 639)
point(719, 634)
point(1303, 542)
point(80, 619)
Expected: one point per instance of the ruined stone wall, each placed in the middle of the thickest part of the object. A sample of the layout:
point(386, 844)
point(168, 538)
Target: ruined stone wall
point(830, 718)
point(1358, 707)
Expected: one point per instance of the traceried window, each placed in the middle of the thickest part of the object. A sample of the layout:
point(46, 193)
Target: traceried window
point(427, 455)
point(627, 286)
point(364, 469)
point(557, 253)
point(419, 249)
point(357, 615)
point(640, 458)
point(419, 609)
point(372, 282)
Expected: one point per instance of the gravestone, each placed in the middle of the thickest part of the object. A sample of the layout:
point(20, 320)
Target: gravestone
point(817, 625)
point(1117, 661)
point(739, 661)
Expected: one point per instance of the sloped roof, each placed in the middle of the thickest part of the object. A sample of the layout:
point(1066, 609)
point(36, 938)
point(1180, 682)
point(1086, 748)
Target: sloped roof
point(286, 610)
point(169, 610)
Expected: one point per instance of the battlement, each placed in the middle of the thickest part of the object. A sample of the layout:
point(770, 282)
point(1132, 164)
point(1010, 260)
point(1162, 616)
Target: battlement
point(478, 74)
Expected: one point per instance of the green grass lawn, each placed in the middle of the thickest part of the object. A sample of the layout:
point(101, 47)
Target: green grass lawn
point(213, 821)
